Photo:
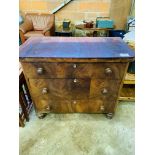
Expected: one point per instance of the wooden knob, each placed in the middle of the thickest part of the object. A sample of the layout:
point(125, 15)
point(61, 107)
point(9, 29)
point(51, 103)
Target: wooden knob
point(104, 91)
point(108, 70)
point(102, 108)
point(74, 66)
point(74, 102)
point(44, 91)
point(40, 70)
point(75, 80)
point(47, 108)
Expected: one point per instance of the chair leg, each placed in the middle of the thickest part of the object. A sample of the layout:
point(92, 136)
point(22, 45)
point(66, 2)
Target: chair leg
point(22, 102)
point(21, 123)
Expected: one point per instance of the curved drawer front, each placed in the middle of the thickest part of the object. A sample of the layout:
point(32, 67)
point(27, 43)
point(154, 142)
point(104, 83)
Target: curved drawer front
point(74, 70)
point(60, 88)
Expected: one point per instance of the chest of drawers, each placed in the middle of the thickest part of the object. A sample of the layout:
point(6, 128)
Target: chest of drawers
point(82, 75)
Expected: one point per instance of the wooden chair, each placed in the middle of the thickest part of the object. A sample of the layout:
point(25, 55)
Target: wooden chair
point(25, 102)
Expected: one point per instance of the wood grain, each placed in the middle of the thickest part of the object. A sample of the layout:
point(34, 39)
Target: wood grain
point(61, 88)
point(68, 70)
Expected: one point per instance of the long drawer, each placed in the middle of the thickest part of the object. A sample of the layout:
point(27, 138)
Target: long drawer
point(74, 70)
point(71, 89)
point(72, 106)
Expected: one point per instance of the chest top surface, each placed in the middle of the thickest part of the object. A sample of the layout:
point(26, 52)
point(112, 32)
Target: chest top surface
point(75, 47)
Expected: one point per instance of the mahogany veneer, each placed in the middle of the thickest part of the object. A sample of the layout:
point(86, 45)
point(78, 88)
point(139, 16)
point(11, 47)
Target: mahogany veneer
point(67, 75)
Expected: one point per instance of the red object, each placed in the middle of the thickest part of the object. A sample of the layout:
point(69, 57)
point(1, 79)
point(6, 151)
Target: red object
point(88, 24)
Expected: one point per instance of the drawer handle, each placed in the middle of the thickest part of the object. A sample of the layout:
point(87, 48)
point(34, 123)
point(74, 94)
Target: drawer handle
point(74, 102)
point(108, 70)
point(47, 108)
point(102, 108)
point(40, 70)
point(44, 91)
point(75, 80)
point(104, 91)
point(74, 66)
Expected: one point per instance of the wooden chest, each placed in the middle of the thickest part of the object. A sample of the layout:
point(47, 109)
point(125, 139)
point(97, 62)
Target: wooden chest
point(68, 75)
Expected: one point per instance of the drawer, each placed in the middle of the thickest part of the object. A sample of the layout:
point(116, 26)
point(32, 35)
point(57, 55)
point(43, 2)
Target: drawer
point(74, 70)
point(105, 89)
point(45, 105)
point(60, 88)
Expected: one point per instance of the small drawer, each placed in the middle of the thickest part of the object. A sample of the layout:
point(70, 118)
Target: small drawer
point(74, 70)
point(105, 89)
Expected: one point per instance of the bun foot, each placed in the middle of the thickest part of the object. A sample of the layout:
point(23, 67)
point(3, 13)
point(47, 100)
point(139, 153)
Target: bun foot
point(109, 115)
point(41, 116)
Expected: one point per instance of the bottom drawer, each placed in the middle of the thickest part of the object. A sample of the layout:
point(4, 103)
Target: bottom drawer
point(74, 106)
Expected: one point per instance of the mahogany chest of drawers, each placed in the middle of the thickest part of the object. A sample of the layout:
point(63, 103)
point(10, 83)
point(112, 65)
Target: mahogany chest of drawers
point(75, 75)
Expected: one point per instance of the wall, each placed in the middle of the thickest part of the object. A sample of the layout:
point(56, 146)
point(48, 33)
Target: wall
point(76, 10)
point(120, 10)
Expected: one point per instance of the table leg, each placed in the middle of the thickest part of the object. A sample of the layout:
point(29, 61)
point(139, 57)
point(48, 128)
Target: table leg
point(95, 34)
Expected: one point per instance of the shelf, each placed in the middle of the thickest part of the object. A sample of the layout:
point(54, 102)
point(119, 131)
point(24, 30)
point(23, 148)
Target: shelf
point(127, 93)
point(129, 79)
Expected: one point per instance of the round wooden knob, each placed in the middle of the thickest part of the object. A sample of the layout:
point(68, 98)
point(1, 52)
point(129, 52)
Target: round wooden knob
point(104, 91)
point(44, 91)
point(75, 80)
point(108, 71)
point(40, 70)
point(74, 66)
point(74, 102)
point(102, 108)
point(47, 108)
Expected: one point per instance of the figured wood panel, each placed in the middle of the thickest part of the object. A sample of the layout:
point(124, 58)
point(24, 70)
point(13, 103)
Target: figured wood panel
point(80, 106)
point(61, 88)
point(47, 105)
point(95, 106)
point(77, 106)
point(75, 70)
point(105, 89)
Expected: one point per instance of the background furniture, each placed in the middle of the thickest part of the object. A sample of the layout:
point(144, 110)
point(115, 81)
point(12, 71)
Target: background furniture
point(94, 30)
point(25, 102)
point(128, 89)
point(78, 74)
point(37, 25)
point(63, 32)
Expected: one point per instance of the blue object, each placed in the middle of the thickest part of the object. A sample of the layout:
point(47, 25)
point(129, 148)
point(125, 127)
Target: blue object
point(117, 33)
point(104, 23)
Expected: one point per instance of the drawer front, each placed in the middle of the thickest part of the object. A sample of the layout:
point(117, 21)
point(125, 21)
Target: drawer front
point(45, 105)
point(60, 88)
point(101, 106)
point(74, 70)
point(105, 89)
point(80, 106)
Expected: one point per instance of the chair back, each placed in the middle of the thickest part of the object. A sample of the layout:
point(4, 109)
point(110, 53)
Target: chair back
point(40, 21)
